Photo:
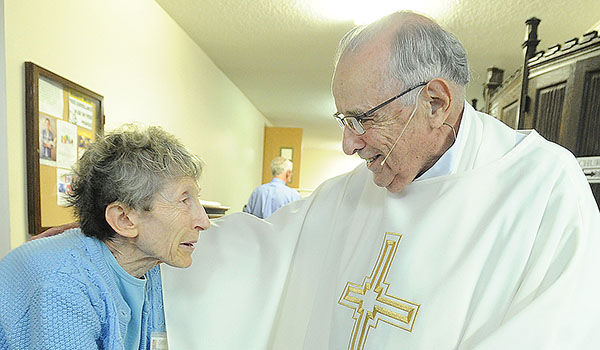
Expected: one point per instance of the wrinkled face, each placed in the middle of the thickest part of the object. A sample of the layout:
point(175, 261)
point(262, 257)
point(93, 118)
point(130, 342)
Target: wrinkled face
point(170, 230)
point(357, 88)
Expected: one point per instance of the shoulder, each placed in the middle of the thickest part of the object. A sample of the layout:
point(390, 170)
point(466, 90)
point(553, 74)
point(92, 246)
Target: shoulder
point(551, 168)
point(533, 154)
point(54, 249)
point(290, 192)
point(537, 152)
point(69, 253)
point(533, 144)
point(262, 188)
point(561, 160)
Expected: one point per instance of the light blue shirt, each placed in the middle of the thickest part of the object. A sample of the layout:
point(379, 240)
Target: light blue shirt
point(133, 291)
point(269, 197)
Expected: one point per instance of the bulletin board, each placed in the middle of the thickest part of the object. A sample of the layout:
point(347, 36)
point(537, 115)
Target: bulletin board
point(62, 119)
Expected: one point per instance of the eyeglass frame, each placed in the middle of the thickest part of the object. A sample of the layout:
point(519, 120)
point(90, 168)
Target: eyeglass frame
point(341, 118)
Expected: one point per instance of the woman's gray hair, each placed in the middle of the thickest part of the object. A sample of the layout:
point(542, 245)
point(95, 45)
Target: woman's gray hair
point(421, 50)
point(129, 165)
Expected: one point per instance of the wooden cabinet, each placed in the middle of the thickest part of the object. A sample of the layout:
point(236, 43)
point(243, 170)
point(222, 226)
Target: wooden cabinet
point(563, 97)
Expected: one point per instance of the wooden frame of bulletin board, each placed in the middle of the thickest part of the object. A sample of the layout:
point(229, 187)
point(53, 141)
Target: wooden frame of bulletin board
point(62, 119)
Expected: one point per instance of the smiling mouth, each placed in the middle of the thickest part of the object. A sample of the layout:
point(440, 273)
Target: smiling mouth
point(371, 160)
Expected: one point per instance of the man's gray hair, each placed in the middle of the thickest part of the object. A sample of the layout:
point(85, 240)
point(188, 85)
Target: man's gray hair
point(129, 165)
point(421, 50)
point(279, 165)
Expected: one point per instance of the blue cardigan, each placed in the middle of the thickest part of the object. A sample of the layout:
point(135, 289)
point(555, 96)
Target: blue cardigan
point(59, 293)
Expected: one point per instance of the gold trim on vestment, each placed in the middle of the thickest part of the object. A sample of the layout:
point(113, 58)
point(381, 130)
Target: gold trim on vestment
point(387, 308)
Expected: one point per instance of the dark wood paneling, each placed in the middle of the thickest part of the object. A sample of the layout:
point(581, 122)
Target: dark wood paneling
point(505, 96)
point(549, 109)
point(509, 114)
point(596, 192)
point(589, 133)
point(544, 82)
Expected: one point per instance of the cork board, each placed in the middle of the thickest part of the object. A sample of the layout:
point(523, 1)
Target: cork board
point(62, 119)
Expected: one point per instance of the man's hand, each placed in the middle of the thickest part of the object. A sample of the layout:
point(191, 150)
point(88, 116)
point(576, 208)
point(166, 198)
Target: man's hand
point(55, 230)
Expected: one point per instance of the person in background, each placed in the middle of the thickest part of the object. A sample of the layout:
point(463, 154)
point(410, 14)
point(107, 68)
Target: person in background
point(135, 194)
point(269, 197)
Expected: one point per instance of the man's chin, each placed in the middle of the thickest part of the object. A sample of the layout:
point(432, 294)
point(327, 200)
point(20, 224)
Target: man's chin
point(395, 188)
point(396, 185)
point(392, 183)
point(384, 182)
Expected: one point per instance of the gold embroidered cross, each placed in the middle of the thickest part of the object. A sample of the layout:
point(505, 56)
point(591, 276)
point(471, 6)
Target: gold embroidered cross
point(370, 301)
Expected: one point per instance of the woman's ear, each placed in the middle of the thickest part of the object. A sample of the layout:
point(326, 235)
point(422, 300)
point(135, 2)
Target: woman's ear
point(122, 219)
point(440, 98)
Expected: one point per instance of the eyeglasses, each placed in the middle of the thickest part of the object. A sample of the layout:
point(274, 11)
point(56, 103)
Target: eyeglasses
point(355, 122)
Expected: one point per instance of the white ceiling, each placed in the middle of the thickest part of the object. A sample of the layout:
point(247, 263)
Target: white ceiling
point(280, 52)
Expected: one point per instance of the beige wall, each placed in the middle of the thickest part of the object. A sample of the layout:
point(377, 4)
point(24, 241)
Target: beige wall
point(148, 71)
point(323, 159)
point(4, 204)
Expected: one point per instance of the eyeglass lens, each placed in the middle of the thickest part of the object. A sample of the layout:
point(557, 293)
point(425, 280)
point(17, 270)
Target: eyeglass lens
point(350, 122)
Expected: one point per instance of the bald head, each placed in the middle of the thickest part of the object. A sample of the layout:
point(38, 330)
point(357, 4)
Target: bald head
point(413, 49)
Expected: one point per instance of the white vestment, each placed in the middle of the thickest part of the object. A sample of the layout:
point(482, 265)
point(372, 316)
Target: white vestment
point(501, 253)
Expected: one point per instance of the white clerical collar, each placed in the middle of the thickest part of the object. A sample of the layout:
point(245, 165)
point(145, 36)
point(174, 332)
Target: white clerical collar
point(445, 165)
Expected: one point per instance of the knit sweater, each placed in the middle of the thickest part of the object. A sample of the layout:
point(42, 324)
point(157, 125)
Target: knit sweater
point(59, 293)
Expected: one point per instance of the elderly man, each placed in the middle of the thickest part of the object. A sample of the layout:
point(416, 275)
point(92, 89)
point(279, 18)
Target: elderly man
point(457, 232)
point(269, 197)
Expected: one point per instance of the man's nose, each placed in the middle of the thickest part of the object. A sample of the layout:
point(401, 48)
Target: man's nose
point(352, 142)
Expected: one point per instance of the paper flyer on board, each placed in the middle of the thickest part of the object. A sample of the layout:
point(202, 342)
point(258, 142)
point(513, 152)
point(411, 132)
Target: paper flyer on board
point(63, 186)
point(66, 150)
point(81, 113)
point(50, 98)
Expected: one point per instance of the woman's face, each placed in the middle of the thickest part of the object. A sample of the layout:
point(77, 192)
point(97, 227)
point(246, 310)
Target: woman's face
point(170, 230)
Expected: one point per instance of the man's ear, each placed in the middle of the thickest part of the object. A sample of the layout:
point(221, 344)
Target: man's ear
point(439, 96)
point(122, 219)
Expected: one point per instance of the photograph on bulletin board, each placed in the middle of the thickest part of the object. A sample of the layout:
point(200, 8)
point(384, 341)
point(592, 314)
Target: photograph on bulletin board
point(47, 129)
point(63, 118)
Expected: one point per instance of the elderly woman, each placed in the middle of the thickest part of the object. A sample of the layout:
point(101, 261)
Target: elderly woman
point(135, 193)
